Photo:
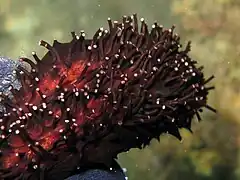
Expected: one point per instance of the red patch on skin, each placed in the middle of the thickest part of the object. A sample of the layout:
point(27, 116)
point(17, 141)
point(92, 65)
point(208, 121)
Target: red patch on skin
point(30, 154)
point(18, 144)
point(48, 122)
point(49, 139)
point(80, 118)
point(16, 141)
point(10, 160)
point(47, 85)
point(95, 105)
point(35, 132)
point(56, 111)
point(75, 71)
point(22, 149)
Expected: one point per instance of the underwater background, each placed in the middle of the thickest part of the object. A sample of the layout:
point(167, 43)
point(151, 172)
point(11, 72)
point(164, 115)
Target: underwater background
point(212, 151)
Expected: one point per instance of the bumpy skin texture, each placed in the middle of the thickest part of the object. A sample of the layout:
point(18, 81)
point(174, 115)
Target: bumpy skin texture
point(88, 100)
point(8, 79)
